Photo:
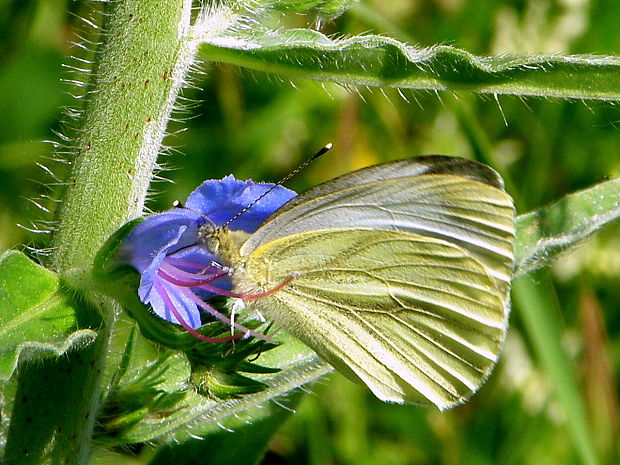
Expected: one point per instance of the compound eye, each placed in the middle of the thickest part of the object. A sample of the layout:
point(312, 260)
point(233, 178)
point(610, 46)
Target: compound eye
point(213, 244)
point(206, 230)
point(207, 237)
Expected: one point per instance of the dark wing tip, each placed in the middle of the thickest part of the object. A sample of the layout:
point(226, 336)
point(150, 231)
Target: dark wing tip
point(443, 164)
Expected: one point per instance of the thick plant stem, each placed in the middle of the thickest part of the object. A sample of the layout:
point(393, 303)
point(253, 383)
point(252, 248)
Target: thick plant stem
point(142, 64)
point(142, 61)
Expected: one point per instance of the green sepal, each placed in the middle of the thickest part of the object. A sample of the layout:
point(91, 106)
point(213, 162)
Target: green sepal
point(223, 384)
point(152, 392)
point(231, 352)
point(248, 367)
point(215, 370)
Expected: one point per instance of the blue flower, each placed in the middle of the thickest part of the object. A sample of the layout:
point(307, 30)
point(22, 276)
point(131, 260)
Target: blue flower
point(177, 273)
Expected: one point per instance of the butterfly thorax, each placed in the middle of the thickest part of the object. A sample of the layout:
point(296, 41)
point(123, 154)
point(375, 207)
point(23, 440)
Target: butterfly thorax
point(222, 242)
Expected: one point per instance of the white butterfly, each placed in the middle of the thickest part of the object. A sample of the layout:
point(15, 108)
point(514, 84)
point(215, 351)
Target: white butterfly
point(400, 275)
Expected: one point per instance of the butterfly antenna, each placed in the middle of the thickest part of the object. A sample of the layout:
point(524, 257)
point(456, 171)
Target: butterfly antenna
point(179, 204)
point(321, 152)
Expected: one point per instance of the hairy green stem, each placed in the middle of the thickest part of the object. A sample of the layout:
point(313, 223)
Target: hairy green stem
point(142, 64)
point(142, 61)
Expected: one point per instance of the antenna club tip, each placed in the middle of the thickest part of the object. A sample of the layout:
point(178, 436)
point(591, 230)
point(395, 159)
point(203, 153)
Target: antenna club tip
point(323, 151)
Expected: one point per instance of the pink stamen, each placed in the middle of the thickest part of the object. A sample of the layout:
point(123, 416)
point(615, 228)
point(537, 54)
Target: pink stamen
point(170, 305)
point(266, 293)
point(203, 284)
point(186, 280)
point(223, 318)
point(209, 309)
point(185, 263)
point(188, 276)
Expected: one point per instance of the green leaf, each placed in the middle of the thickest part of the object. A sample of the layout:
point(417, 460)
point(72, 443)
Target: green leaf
point(544, 234)
point(37, 319)
point(385, 62)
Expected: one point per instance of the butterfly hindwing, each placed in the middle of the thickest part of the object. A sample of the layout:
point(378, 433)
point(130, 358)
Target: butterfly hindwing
point(413, 318)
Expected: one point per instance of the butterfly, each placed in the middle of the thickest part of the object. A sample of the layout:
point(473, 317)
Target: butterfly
point(398, 274)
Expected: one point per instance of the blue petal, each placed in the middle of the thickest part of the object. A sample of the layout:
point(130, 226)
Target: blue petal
point(221, 200)
point(149, 273)
point(160, 233)
point(186, 308)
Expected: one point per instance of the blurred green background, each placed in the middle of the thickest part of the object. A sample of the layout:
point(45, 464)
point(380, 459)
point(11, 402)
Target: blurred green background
point(260, 126)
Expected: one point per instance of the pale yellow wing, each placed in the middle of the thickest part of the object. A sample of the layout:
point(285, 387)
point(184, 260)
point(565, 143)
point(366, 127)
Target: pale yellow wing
point(415, 318)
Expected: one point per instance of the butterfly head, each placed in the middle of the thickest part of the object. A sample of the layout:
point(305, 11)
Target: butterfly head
point(222, 242)
point(209, 236)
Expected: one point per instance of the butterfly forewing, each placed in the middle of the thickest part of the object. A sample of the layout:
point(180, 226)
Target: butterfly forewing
point(417, 166)
point(474, 215)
